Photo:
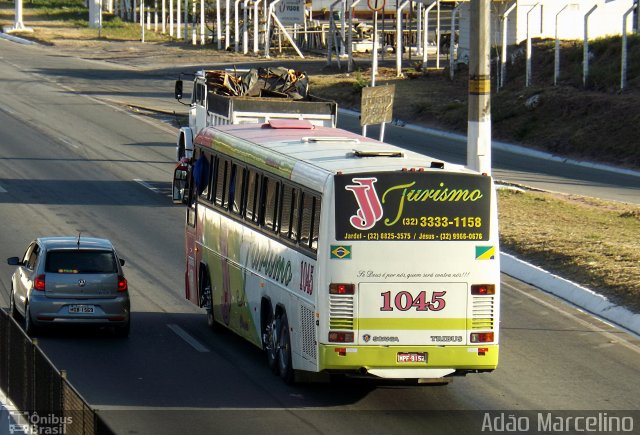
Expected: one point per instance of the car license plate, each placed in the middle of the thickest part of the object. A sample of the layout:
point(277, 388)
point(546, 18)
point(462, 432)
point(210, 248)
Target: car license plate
point(81, 309)
point(412, 357)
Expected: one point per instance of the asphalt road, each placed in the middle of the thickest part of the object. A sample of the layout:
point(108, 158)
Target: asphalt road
point(70, 163)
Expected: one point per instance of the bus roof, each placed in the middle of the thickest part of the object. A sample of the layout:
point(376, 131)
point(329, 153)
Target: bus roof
point(300, 151)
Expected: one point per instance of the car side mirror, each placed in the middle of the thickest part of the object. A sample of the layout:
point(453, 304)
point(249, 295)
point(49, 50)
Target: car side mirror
point(14, 261)
point(121, 261)
point(178, 90)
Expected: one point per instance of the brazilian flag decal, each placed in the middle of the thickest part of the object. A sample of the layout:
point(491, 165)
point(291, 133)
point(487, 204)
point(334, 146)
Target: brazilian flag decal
point(340, 252)
point(485, 252)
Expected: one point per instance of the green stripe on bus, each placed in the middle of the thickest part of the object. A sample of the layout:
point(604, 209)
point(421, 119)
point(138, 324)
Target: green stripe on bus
point(238, 148)
point(417, 324)
point(413, 324)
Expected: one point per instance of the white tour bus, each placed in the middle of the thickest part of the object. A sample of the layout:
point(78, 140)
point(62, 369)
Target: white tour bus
point(339, 254)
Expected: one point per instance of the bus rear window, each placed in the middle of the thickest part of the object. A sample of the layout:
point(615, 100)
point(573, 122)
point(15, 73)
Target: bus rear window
point(405, 206)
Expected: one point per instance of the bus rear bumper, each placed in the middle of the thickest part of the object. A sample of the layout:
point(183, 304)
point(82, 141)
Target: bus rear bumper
point(407, 362)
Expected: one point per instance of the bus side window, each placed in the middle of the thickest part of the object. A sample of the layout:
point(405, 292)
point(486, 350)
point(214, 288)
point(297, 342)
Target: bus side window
point(239, 195)
point(306, 219)
point(289, 213)
point(230, 183)
point(215, 163)
point(221, 178)
point(253, 183)
point(269, 203)
point(315, 226)
point(207, 169)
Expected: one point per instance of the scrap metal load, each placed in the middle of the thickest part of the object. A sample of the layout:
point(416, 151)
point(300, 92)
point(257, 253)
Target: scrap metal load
point(262, 82)
point(257, 95)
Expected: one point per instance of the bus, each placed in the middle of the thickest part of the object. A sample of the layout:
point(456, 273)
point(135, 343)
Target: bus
point(341, 255)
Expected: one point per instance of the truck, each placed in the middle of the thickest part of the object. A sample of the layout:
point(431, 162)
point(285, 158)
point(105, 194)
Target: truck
point(256, 95)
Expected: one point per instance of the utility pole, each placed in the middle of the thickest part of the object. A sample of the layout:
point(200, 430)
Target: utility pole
point(479, 123)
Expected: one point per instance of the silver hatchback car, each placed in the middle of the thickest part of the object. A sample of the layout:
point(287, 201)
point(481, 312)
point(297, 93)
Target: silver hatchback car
point(68, 280)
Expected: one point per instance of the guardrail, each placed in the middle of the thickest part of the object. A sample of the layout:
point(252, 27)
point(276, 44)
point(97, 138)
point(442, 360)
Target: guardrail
point(46, 401)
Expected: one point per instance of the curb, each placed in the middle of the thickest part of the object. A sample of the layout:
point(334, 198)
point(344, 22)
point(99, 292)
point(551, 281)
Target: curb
point(577, 295)
point(16, 39)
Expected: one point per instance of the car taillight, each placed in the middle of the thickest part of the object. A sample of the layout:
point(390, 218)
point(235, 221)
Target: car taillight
point(122, 284)
point(38, 283)
point(341, 289)
point(483, 289)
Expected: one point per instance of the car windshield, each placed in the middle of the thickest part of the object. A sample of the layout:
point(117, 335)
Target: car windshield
point(79, 261)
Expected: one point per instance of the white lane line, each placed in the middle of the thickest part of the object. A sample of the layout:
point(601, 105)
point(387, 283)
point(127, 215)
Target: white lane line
point(147, 185)
point(186, 337)
point(614, 338)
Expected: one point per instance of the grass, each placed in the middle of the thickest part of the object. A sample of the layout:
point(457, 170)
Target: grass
point(592, 242)
point(62, 22)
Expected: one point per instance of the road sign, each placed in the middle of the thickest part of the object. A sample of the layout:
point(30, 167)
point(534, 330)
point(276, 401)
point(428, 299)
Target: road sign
point(290, 12)
point(376, 5)
point(377, 104)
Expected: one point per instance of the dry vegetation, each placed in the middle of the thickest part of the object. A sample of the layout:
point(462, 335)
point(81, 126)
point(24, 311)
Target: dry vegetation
point(595, 243)
point(590, 241)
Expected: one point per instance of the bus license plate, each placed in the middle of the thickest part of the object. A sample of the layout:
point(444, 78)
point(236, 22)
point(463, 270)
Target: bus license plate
point(412, 357)
point(81, 309)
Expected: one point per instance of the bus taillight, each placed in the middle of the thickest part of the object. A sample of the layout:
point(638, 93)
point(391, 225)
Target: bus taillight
point(481, 337)
point(483, 289)
point(340, 337)
point(341, 289)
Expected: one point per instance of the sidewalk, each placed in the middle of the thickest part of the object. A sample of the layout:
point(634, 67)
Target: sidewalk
point(11, 420)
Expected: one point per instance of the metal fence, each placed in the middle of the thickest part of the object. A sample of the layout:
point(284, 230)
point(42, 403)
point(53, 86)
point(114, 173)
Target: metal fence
point(43, 395)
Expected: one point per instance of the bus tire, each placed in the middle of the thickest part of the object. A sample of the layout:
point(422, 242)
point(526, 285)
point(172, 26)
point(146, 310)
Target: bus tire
point(285, 366)
point(269, 340)
point(207, 294)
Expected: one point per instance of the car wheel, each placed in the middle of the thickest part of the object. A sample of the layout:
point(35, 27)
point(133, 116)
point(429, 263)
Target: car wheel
point(29, 327)
point(285, 367)
point(122, 331)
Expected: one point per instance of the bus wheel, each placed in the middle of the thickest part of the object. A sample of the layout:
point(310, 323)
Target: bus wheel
point(207, 297)
point(285, 368)
point(270, 342)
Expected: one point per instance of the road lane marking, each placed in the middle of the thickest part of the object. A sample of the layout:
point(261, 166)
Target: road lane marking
point(186, 337)
point(147, 185)
point(617, 338)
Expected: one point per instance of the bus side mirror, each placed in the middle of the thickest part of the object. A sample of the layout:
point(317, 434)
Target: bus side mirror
point(178, 90)
point(179, 195)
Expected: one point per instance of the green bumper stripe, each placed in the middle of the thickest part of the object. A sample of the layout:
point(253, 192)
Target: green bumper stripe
point(415, 324)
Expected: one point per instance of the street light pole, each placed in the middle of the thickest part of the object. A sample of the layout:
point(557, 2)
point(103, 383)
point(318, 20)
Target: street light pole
point(479, 123)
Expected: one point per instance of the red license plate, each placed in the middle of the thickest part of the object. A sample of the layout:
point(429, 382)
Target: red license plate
point(412, 357)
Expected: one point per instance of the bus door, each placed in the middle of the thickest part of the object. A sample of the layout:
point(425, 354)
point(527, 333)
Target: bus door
point(184, 192)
